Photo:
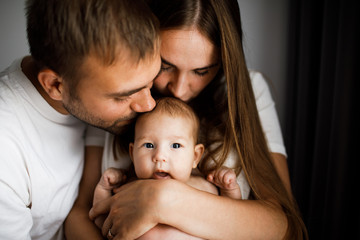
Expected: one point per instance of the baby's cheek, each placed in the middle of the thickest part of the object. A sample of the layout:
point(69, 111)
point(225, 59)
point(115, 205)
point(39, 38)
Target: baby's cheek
point(182, 173)
point(144, 171)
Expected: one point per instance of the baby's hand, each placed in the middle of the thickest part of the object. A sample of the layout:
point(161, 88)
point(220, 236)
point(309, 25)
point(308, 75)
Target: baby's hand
point(225, 179)
point(112, 178)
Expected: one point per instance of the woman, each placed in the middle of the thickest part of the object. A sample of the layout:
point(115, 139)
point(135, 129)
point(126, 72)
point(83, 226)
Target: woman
point(203, 64)
point(188, 30)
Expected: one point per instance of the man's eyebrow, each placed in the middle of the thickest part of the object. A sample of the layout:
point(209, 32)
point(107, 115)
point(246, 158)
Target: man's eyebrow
point(125, 94)
point(203, 68)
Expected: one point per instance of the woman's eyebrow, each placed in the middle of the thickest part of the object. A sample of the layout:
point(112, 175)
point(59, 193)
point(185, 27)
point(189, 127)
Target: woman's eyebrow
point(202, 68)
point(208, 67)
point(167, 62)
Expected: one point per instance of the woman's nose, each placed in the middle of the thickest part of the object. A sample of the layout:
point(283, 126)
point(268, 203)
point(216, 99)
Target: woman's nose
point(178, 87)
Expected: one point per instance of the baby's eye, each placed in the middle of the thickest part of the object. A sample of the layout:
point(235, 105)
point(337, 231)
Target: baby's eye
point(176, 145)
point(149, 145)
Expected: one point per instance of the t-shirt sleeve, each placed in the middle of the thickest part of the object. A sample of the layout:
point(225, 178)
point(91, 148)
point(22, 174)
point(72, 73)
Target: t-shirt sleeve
point(267, 113)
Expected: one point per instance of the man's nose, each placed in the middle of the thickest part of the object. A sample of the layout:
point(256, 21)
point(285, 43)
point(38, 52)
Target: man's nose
point(144, 102)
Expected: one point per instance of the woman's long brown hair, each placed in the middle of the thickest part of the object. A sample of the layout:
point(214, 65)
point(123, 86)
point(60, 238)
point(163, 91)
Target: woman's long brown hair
point(227, 107)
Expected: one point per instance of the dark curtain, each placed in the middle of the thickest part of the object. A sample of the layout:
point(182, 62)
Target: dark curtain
point(322, 115)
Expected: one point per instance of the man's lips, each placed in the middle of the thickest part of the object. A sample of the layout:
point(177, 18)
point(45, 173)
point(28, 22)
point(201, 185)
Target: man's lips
point(161, 175)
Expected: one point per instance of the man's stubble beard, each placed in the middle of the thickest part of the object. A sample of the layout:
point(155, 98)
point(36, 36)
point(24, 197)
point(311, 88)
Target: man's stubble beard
point(77, 109)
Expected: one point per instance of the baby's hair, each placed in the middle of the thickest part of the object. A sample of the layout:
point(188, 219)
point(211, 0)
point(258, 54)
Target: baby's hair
point(176, 108)
point(167, 105)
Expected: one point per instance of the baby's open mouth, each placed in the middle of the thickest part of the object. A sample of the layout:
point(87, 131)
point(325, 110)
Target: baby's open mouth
point(161, 175)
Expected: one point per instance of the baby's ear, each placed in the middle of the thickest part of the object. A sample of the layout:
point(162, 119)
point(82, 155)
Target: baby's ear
point(131, 148)
point(198, 152)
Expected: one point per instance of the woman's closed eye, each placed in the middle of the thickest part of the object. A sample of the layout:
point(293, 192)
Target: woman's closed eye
point(165, 68)
point(201, 73)
point(205, 70)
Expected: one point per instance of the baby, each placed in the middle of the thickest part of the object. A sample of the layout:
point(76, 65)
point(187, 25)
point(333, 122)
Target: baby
point(166, 147)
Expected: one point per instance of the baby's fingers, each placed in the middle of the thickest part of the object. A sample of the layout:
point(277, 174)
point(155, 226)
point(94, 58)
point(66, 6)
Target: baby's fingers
point(210, 177)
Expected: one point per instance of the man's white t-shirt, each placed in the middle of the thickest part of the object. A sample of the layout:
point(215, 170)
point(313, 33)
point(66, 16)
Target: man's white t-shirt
point(41, 160)
point(269, 121)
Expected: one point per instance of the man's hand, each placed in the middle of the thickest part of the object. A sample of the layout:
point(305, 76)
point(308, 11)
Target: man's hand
point(133, 210)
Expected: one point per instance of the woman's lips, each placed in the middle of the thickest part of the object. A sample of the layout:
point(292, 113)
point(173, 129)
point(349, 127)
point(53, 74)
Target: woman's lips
point(161, 175)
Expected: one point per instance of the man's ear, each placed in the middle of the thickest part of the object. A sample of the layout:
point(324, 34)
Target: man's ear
point(131, 148)
point(52, 83)
point(198, 152)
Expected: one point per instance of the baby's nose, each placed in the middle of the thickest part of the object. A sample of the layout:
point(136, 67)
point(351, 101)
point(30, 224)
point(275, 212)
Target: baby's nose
point(159, 157)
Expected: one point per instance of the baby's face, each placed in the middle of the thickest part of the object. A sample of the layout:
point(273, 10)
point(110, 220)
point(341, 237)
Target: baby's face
point(164, 147)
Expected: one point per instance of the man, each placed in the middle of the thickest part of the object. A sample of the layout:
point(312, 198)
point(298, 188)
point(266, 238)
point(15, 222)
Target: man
point(91, 60)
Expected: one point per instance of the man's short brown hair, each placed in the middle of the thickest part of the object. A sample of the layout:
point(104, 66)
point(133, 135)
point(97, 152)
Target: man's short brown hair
point(61, 33)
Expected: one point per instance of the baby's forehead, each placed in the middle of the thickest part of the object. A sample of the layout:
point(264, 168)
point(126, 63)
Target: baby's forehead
point(162, 114)
point(154, 118)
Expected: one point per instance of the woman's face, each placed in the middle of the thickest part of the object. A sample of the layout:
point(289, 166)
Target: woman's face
point(189, 63)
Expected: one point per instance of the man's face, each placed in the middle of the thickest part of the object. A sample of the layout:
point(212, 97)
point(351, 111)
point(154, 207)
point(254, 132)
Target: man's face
point(109, 97)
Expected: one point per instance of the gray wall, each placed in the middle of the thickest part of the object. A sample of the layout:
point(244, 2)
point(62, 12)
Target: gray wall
point(264, 25)
point(13, 42)
point(265, 36)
